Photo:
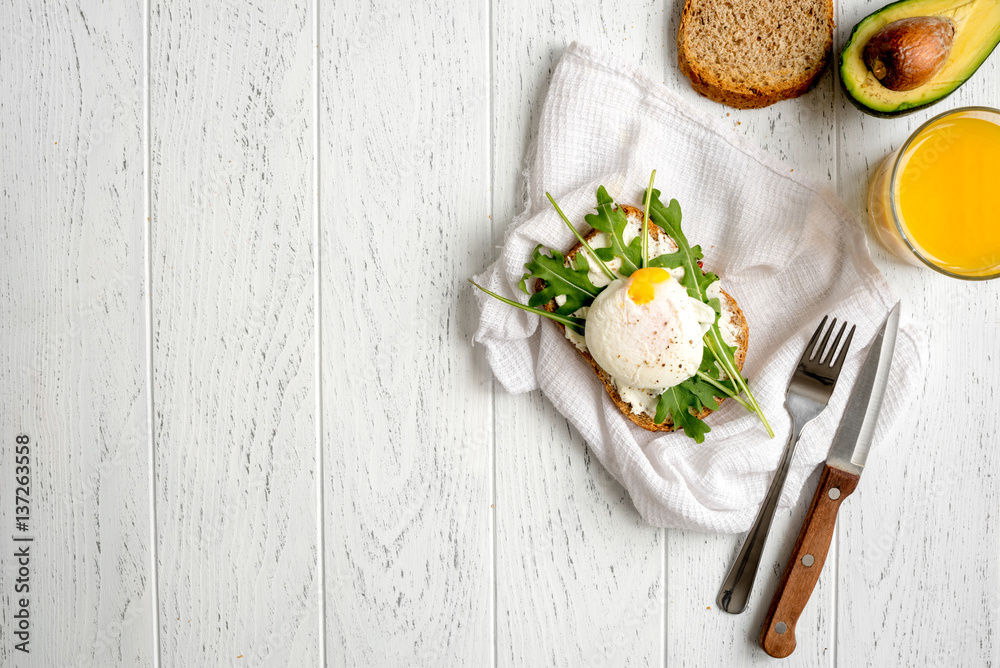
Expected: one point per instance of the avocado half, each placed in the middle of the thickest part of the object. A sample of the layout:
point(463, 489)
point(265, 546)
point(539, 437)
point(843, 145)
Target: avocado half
point(977, 32)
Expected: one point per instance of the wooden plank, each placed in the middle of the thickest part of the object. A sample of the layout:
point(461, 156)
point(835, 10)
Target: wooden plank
point(73, 330)
point(919, 573)
point(234, 351)
point(579, 574)
point(800, 133)
point(407, 431)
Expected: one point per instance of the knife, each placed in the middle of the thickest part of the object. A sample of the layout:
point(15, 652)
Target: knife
point(839, 478)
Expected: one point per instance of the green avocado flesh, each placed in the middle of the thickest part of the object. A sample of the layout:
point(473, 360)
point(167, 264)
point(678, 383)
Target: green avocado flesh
point(977, 31)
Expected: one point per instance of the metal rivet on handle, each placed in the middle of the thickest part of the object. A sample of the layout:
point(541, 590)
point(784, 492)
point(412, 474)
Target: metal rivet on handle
point(808, 560)
point(834, 493)
point(780, 627)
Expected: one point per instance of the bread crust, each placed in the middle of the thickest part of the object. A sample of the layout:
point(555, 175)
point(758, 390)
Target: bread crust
point(646, 421)
point(749, 96)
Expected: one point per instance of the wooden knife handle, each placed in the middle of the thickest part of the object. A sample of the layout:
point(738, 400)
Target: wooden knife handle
point(777, 635)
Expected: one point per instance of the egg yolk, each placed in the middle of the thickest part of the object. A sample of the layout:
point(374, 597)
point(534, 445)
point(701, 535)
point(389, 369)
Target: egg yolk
point(641, 282)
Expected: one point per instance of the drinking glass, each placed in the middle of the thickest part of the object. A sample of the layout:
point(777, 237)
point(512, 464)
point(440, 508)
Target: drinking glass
point(884, 203)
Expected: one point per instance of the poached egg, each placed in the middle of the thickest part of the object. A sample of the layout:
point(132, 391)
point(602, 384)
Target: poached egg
point(646, 331)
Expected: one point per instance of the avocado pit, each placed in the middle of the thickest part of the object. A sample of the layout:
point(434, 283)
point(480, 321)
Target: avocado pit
point(907, 53)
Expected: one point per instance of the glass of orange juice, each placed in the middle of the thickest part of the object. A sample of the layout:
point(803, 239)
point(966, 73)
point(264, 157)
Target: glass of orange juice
point(936, 201)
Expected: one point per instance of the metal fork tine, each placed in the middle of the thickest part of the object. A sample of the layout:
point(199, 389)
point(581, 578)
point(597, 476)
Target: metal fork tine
point(818, 354)
point(807, 353)
point(837, 363)
point(828, 357)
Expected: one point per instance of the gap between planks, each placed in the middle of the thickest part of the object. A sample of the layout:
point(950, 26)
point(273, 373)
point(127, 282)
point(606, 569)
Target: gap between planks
point(491, 156)
point(318, 339)
point(147, 206)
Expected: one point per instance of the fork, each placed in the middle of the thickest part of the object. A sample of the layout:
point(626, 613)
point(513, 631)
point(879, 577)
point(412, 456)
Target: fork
point(809, 391)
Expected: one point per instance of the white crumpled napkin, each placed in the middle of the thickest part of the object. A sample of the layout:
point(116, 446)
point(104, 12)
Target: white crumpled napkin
point(787, 250)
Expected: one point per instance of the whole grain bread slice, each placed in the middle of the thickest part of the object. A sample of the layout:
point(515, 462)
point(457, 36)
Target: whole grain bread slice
point(646, 421)
point(749, 54)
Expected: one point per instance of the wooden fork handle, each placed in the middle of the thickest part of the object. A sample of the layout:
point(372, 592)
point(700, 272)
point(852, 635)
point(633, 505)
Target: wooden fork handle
point(777, 635)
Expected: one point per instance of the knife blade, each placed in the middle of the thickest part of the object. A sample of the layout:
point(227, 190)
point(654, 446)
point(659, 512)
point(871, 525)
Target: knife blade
point(849, 451)
point(844, 465)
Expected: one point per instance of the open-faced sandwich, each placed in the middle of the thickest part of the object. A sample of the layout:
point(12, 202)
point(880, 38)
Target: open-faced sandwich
point(658, 330)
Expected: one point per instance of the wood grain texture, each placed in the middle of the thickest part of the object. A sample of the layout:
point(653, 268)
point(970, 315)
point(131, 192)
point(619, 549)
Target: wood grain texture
point(407, 424)
point(579, 575)
point(805, 561)
point(72, 328)
point(233, 316)
point(919, 574)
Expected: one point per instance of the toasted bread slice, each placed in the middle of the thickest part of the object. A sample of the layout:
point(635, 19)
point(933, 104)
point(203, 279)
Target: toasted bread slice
point(749, 54)
point(738, 319)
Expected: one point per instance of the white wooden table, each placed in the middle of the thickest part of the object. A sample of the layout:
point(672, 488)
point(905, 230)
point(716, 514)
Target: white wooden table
point(236, 331)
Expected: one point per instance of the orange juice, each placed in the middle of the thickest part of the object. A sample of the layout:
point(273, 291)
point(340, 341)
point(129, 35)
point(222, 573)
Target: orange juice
point(948, 194)
point(936, 201)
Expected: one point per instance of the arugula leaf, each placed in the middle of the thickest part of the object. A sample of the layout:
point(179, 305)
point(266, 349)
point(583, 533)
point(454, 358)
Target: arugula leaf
point(572, 282)
point(575, 324)
point(695, 279)
point(682, 402)
point(645, 221)
point(677, 258)
point(612, 222)
point(579, 237)
point(704, 392)
point(677, 402)
point(709, 364)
